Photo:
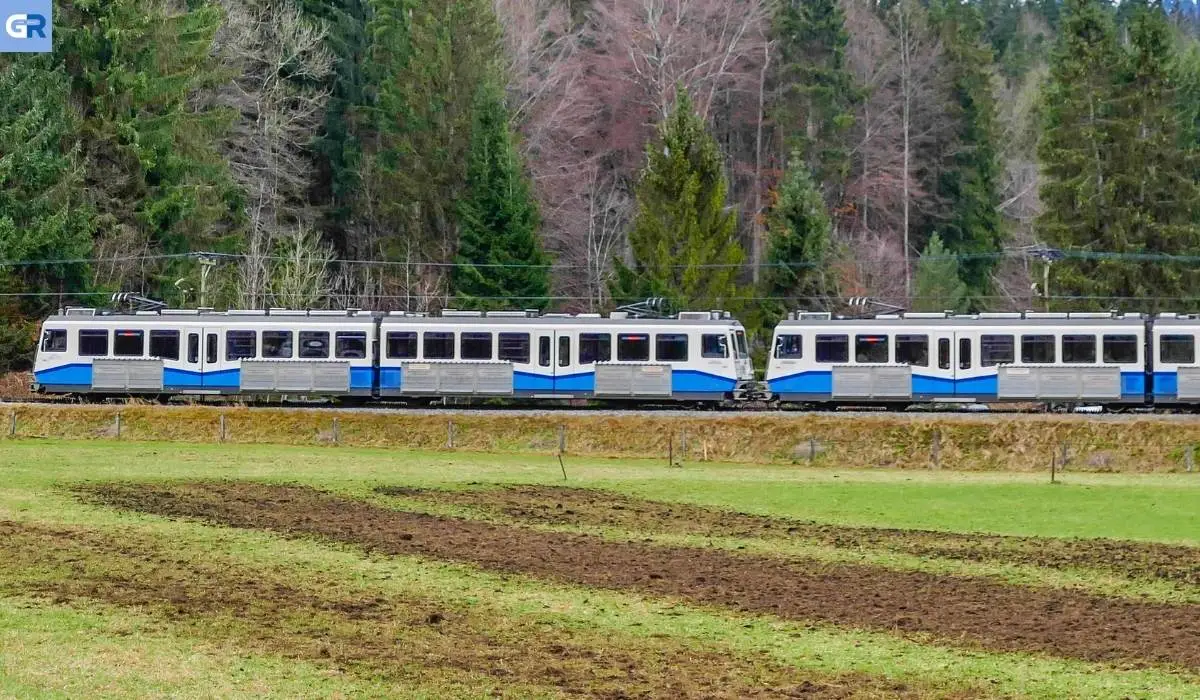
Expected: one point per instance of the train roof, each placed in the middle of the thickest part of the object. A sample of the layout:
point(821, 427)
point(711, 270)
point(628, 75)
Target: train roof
point(1025, 319)
point(515, 318)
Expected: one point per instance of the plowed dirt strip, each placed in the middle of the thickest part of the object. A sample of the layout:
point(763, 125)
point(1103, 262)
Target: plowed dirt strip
point(962, 610)
point(401, 639)
point(568, 506)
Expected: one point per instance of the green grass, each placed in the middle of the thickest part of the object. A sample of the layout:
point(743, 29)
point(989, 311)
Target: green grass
point(118, 653)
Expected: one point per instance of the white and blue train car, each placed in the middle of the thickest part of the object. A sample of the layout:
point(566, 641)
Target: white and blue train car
point(923, 357)
point(202, 352)
point(1175, 372)
point(693, 356)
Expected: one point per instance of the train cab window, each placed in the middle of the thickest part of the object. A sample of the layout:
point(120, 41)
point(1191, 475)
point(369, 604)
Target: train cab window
point(240, 345)
point(1079, 349)
point(514, 347)
point(789, 347)
point(475, 346)
point(314, 345)
point(402, 345)
point(1177, 350)
point(93, 343)
point(164, 344)
point(833, 348)
point(438, 346)
point(193, 348)
point(544, 351)
point(964, 353)
point(277, 345)
point(350, 345)
point(210, 349)
point(713, 345)
point(740, 346)
point(564, 351)
point(633, 347)
point(871, 349)
point(671, 347)
point(54, 340)
point(912, 350)
point(129, 343)
point(943, 353)
point(1120, 349)
point(997, 350)
point(1037, 349)
point(595, 347)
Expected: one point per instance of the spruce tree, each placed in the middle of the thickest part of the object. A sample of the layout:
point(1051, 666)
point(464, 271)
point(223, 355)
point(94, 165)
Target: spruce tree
point(815, 90)
point(937, 284)
point(500, 259)
point(684, 238)
point(799, 233)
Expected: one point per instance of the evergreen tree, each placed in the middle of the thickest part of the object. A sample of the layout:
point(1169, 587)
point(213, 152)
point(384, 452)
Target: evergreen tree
point(498, 218)
point(800, 231)
point(968, 181)
point(938, 286)
point(815, 92)
point(684, 237)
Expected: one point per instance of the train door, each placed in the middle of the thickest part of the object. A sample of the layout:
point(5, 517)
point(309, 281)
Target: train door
point(972, 380)
point(932, 359)
point(543, 361)
point(216, 374)
point(569, 377)
point(179, 350)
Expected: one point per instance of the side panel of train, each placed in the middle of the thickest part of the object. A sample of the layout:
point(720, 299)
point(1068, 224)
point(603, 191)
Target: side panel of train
point(1175, 372)
point(205, 354)
point(970, 359)
point(557, 358)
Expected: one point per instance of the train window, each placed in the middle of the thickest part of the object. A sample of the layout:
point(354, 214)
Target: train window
point(964, 353)
point(671, 347)
point(514, 347)
point(350, 345)
point(713, 345)
point(1177, 349)
point(544, 351)
point(833, 348)
point(912, 350)
point(93, 343)
point(438, 346)
point(943, 353)
point(402, 345)
point(1120, 349)
point(594, 347)
point(1079, 349)
point(1037, 349)
point(314, 345)
point(475, 346)
point(633, 347)
point(277, 345)
point(871, 348)
point(740, 347)
point(210, 349)
point(128, 343)
point(789, 347)
point(164, 344)
point(54, 340)
point(997, 350)
point(193, 348)
point(564, 351)
point(240, 345)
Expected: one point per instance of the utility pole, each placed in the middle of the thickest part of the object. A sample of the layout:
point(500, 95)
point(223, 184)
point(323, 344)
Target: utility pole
point(207, 263)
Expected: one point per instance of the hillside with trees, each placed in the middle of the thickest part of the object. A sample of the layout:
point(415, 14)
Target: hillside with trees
point(753, 155)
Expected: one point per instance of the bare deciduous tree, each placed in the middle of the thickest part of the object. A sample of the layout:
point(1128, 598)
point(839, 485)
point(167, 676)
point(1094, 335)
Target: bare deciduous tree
point(300, 274)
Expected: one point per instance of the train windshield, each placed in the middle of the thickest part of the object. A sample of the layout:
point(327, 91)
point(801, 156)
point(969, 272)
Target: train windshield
point(740, 346)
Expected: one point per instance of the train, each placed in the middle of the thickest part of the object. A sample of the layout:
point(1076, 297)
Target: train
point(1111, 360)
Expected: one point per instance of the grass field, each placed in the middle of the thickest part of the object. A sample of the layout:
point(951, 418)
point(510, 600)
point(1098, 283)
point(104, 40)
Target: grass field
point(135, 569)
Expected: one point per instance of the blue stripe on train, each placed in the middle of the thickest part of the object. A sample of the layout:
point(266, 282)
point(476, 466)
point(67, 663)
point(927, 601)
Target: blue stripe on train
point(361, 378)
point(818, 382)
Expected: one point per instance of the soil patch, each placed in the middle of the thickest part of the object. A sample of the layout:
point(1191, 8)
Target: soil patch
point(318, 620)
point(594, 508)
point(952, 609)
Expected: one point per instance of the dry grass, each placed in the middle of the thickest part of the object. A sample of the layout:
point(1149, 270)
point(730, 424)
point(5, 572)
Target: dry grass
point(1011, 442)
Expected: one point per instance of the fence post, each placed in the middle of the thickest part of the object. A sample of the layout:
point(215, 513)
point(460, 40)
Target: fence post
point(562, 439)
point(1189, 458)
point(683, 446)
point(937, 448)
point(450, 434)
point(221, 429)
point(812, 450)
point(1053, 461)
point(1065, 454)
point(118, 425)
point(337, 432)
point(12, 424)
point(670, 449)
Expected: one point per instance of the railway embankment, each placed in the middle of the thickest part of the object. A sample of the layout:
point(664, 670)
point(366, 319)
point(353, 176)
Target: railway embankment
point(974, 442)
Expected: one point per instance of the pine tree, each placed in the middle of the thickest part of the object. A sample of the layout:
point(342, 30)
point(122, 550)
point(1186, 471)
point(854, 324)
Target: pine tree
point(938, 286)
point(815, 93)
point(968, 181)
point(800, 231)
point(684, 238)
point(498, 218)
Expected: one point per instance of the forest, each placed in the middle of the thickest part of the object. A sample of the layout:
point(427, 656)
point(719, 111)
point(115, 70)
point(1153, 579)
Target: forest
point(758, 156)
